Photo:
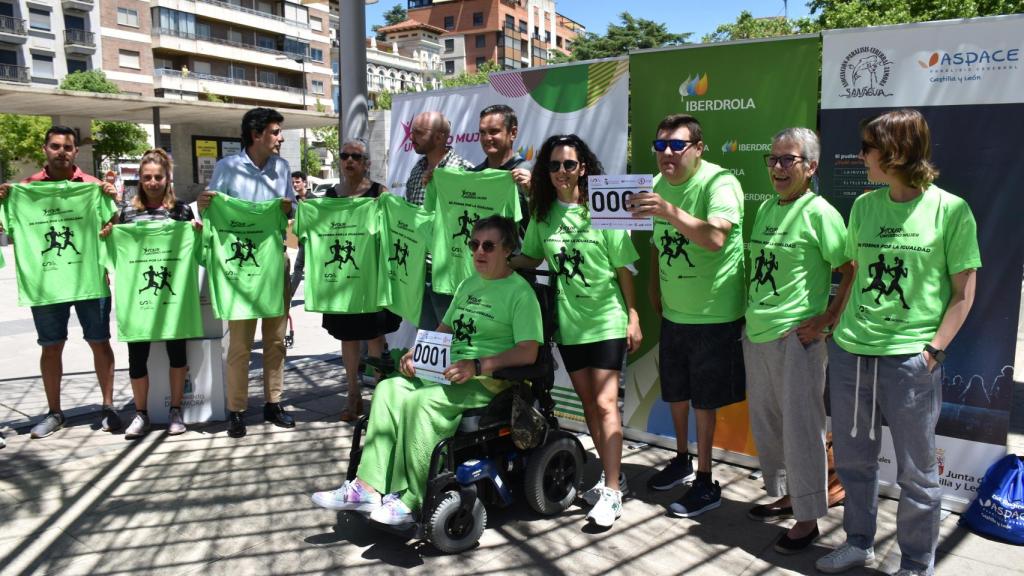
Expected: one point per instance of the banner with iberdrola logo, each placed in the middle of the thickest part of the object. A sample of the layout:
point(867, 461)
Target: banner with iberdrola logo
point(590, 99)
point(742, 93)
point(967, 79)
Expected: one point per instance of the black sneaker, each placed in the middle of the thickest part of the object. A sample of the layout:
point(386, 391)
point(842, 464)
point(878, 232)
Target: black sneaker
point(110, 422)
point(678, 471)
point(701, 497)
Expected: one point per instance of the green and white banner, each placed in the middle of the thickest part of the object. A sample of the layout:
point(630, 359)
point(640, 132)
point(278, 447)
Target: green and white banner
point(742, 93)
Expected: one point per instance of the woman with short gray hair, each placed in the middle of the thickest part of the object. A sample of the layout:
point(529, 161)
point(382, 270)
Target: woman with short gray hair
point(797, 240)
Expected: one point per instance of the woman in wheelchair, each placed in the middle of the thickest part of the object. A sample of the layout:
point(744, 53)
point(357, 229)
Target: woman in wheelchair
point(496, 323)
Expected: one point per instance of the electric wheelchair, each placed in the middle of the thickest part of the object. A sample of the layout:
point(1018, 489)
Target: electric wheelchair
point(510, 449)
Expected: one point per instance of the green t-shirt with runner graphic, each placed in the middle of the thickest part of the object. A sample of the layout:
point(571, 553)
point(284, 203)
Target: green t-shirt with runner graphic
point(156, 280)
point(793, 250)
point(488, 317)
point(458, 199)
point(405, 239)
point(905, 253)
point(55, 226)
point(584, 261)
point(244, 257)
point(341, 236)
point(699, 286)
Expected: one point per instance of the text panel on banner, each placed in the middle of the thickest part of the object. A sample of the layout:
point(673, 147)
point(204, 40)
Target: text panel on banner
point(974, 123)
point(742, 94)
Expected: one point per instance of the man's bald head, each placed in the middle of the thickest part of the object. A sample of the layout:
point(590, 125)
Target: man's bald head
point(430, 132)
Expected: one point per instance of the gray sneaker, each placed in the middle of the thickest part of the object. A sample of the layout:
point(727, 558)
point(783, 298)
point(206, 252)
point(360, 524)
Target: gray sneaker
point(138, 428)
point(54, 421)
point(177, 425)
point(843, 558)
point(111, 422)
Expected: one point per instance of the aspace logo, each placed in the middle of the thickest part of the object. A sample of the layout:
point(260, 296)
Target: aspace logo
point(731, 146)
point(971, 58)
point(864, 73)
point(698, 86)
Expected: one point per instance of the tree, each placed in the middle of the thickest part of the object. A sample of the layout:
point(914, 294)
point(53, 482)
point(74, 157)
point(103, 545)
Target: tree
point(632, 34)
point(383, 100)
point(21, 140)
point(842, 14)
point(472, 78)
point(746, 27)
point(311, 163)
point(111, 140)
point(397, 14)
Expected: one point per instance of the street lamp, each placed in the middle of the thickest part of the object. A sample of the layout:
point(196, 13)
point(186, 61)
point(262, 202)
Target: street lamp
point(352, 98)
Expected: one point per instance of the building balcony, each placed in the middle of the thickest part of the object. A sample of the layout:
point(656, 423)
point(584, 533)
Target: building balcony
point(192, 82)
point(79, 41)
point(239, 15)
point(224, 48)
point(12, 73)
point(83, 5)
point(12, 30)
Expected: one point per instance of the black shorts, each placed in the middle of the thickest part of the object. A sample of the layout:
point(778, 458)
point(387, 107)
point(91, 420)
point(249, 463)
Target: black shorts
point(702, 363)
point(606, 355)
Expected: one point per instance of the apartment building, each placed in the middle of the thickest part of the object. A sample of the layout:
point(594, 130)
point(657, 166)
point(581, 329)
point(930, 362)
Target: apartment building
point(43, 40)
point(513, 33)
point(408, 60)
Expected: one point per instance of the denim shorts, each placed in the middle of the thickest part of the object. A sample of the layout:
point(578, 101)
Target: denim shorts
point(51, 320)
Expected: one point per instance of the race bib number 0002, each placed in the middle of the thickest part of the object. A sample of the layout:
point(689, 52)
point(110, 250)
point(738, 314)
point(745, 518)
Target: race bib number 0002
point(609, 199)
point(431, 355)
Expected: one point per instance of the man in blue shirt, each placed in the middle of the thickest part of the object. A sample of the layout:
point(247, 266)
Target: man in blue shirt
point(255, 174)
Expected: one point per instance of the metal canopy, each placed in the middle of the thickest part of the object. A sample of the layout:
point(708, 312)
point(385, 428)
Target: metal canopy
point(37, 101)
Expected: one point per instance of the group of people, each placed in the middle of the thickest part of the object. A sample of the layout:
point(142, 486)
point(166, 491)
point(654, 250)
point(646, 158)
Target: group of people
point(882, 337)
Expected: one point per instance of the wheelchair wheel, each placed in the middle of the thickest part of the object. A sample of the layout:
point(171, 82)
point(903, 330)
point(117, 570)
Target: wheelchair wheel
point(452, 530)
point(553, 474)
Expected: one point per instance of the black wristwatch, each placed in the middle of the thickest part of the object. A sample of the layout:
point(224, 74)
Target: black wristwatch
point(938, 355)
point(479, 368)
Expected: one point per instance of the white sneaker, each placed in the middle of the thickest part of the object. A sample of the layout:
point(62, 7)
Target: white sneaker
point(843, 558)
point(177, 424)
point(350, 496)
point(393, 512)
point(138, 428)
point(607, 509)
point(592, 496)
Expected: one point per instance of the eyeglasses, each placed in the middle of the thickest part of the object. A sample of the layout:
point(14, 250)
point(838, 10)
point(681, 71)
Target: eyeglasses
point(786, 161)
point(866, 146)
point(487, 245)
point(353, 155)
point(555, 165)
point(661, 145)
point(58, 147)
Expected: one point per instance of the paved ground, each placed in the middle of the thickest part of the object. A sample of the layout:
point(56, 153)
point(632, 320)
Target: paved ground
point(88, 502)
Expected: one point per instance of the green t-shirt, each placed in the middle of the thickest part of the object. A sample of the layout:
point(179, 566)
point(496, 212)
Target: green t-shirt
point(699, 286)
point(590, 305)
point(458, 199)
point(341, 236)
point(244, 257)
point(793, 250)
point(488, 317)
point(905, 253)
point(405, 237)
point(2, 263)
point(58, 255)
point(156, 280)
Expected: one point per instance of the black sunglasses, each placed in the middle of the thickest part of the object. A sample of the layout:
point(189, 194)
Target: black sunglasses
point(487, 245)
point(353, 155)
point(676, 145)
point(555, 165)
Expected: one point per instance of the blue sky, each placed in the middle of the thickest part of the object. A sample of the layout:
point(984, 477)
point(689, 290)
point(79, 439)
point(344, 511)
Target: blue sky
point(697, 16)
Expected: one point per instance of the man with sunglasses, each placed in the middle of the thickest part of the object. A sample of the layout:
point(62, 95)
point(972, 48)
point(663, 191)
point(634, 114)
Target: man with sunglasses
point(51, 321)
point(256, 174)
point(702, 306)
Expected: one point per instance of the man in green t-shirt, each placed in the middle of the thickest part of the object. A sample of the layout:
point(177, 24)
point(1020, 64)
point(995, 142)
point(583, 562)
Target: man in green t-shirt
point(60, 146)
point(697, 283)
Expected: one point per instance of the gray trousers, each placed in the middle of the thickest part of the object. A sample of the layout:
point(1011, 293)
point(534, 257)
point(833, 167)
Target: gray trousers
point(910, 399)
point(785, 393)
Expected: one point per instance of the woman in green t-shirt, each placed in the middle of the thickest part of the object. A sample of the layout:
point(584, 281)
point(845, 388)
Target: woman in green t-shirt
point(916, 252)
point(597, 317)
point(495, 321)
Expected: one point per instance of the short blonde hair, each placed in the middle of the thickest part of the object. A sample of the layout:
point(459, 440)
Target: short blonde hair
point(903, 139)
point(161, 157)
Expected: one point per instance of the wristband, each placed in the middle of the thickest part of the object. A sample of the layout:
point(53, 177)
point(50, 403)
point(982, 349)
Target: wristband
point(479, 369)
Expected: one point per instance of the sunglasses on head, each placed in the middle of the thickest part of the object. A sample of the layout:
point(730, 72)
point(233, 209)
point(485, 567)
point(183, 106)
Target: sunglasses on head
point(487, 245)
point(661, 145)
point(555, 165)
point(353, 155)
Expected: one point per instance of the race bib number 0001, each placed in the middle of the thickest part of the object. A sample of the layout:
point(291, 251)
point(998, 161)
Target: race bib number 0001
point(609, 199)
point(431, 355)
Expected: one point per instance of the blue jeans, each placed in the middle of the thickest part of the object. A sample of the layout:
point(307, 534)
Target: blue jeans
point(51, 320)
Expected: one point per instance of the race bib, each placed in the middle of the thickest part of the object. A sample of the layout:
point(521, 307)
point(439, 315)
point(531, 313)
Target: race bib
point(431, 355)
point(609, 197)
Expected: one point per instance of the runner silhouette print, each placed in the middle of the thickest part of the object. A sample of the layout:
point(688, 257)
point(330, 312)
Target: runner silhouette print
point(577, 264)
point(877, 272)
point(150, 276)
point(51, 237)
point(401, 254)
point(466, 224)
point(764, 268)
point(243, 252)
point(336, 251)
point(165, 276)
point(898, 271)
point(464, 330)
point(674, 246)
point(67, 234)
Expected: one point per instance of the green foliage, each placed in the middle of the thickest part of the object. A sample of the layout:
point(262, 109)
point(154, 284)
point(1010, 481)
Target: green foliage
point(854, 14)
point(311, 161)
point(327, 137)
point(384, 100)
point(21, 140)
point(474, 78)
point(397, 14)
point(89, 81)
point(211, 97)
point(746, 27)
point(632, 34)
